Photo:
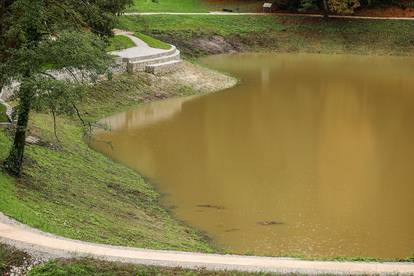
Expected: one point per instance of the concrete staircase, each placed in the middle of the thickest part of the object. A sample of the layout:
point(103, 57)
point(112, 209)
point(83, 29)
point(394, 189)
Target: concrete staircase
point(157, 63)
point(143, 58)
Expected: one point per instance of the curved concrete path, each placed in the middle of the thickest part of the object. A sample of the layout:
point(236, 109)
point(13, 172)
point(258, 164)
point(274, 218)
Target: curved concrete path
point(140, 50)
point(29, 239)
point(142, 57)
point(269, 14)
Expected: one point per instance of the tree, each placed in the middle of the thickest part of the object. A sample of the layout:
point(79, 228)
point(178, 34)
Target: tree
point(343, 6)
point(40, 35)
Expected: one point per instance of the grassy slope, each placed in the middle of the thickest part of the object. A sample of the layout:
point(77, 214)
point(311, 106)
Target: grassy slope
point(78, 193)
point(195, 5)
point(119, 42)
point(286, 34)
point(90, 267)
point(153, 42)
point(167, 6)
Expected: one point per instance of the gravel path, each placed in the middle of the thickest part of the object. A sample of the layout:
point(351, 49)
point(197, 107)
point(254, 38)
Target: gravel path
point(37, 242)
point(268, 14)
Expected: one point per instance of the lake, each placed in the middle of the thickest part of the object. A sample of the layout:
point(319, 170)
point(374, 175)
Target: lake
point(309, 155)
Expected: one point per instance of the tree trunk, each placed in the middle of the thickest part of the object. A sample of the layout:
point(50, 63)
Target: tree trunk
point(14, 161)
point(325, 8)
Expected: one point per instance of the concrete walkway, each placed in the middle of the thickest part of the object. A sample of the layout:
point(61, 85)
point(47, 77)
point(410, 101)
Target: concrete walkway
point(141, 48)
point(269, 14)
point(142, 57)
point(28, 239)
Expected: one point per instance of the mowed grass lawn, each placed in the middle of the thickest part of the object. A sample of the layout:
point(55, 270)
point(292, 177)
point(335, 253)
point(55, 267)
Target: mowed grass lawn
point(167, 6)
point(284, 34)
point(194, 5)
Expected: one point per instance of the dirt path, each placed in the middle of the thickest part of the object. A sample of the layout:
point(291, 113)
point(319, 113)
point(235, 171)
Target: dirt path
point(270, 14)
point(25, 238)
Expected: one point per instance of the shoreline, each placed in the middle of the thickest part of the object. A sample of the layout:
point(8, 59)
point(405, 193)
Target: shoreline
point(200, 91)
point(50, 246)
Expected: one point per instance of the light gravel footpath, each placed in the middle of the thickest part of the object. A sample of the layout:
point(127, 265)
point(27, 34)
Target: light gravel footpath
point(36, 242)
point(269, 14)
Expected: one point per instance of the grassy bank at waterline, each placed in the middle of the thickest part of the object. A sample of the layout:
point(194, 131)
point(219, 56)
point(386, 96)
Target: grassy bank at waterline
point(70, 190)
point(197, 35)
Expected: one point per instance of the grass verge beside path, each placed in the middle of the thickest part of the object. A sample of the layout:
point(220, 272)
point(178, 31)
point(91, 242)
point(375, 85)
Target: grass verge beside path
point(91, 267)
point(70, 190)
point(201, 35)
point(119, 42)
point(153, 42)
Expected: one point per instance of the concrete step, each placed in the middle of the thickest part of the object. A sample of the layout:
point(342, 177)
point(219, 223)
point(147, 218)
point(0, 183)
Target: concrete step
point(139, 66)
point(162, 68)
point(169, 52)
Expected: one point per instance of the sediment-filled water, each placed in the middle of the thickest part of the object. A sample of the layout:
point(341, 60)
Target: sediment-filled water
point(310, 155)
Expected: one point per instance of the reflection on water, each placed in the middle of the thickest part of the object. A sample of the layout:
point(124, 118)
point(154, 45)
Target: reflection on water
point(310, 155)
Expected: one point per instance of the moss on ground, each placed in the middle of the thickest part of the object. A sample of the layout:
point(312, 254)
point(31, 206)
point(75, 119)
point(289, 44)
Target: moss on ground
point(119, 42)
point(276, 33)
point(70, 190)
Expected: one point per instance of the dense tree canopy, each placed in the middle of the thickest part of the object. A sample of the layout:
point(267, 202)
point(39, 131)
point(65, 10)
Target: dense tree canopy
point(38, 37)
point(337, 6)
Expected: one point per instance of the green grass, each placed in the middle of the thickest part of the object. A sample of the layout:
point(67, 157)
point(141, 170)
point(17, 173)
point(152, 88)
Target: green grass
point(194, 5)
point(222, 25)
point(3, 115)
point(284, 34)
point(119, 42)
point(73, 191)
point(153, 42)
point(90, 267)
point(167, 6)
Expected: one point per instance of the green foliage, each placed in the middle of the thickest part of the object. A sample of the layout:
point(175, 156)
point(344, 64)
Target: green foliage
point(308, 5)
point(3, 115)
point(153, 42)
point(37, 35)
point(343, 6)
point(119, 42)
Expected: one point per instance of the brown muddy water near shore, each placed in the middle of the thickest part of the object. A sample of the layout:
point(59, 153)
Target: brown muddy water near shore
point(309, 155)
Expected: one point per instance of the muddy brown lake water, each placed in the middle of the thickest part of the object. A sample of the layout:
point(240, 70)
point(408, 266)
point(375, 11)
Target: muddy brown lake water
point(309, 155)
